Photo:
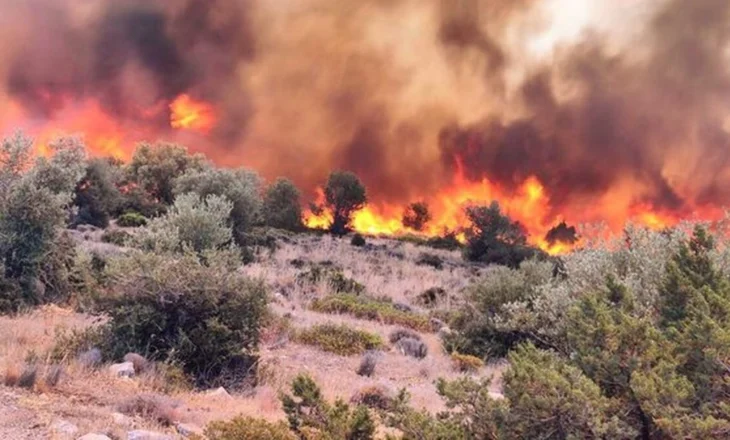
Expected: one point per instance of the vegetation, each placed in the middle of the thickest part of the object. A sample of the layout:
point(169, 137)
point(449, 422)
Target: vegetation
point(339, 339)
point(97, 194)
point(154, 168)
point(344, 195)
point(248, 428)
point(494, 238)
point(131, 220)
point(416, 216)
point(204, 317)
point(282, 207)
point(368, 308)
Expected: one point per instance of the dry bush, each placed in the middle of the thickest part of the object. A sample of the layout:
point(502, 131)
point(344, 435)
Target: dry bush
point(402, 333)
point(248, 428)
point(339, 339)
point(431, 260)
point(52, 377)
point(375, 397)
point(11, 376)
point(412, 347)
point(367, 364)
point(465, 363)
point(432, 297)
point(153, 407)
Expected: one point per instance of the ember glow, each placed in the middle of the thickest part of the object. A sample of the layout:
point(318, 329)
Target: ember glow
point(610, 111)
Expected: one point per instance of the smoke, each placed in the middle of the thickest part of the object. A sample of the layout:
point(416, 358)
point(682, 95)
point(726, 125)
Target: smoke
point(406, 93)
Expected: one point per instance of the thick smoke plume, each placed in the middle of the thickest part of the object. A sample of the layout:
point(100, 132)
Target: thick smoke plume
point(413, 95)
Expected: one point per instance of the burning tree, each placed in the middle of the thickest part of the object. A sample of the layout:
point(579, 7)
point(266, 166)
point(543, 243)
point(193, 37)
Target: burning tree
point(416, 216)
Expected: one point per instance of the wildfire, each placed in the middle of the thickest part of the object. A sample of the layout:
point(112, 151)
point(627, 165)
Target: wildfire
point(188, 114)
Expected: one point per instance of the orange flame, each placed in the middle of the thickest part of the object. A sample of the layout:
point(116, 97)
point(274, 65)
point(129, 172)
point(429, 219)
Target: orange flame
point(189, 114)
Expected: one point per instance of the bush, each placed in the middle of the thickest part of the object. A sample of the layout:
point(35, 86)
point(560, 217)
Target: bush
point(412, 347)
point(432, 297)
point(416, 216)
point(204, 317)
point(311, 417)
point(281, 207)
point(116, 236)
point(131, 220)
point(194, 223)
point(430, 260)
point(152, 407)
point(449, 241)
point(466, 363)
point(97, 195)
point(373, 397)
point(339, 339)
point(402, 333)
point(367, 364)
point(241, 187)
point(358, 240)
point(493, 238)
point(371, 309)
point(335, 279)
point(248, 428)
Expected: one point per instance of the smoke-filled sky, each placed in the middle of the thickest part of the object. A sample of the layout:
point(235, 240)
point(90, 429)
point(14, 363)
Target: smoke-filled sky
point(609, 104)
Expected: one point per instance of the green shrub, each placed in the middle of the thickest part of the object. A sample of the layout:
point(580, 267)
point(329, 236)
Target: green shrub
point(281, 207)
point(368, 308)
point(339, 339)
point(311, 417)
point(116, 236)
point(432, 297)
point(192, 222)
point(248, 428)
point(97, 194)
point(131, 220)
point(198, 313)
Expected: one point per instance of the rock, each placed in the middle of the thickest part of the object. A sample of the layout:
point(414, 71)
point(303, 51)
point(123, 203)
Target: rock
point(120, 419)
point(437, 324)
point(219, 393)
point(64, 429)
point(188, 429)
point(444, 331)
point(90, 358)
point(147, 435)
point(403, 307)
point(141, 364)
point(125, 369)
point(94, 437)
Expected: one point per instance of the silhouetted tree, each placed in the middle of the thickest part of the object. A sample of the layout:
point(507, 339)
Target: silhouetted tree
point(416, 216)
point(344, 195)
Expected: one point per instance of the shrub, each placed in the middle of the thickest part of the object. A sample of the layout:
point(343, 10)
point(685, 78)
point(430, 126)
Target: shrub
point(416, 216)
point(466, 363)
point(97, 195)
point(335, 279)
point(494, 238)
point(248, 428)
point(339, 339)
point(344, 195)
point(203, 316)
point(194, 223)
point(311, 417)
point(241, 187)
point(402, 333)
point(116, 236)
point(367, 364)
point(281, 207)
point(154, 168)
point(154, 407)
point(367, 308)
point(430, 260)
point(358, 240)
point(374, 397)
point(412, 347)
point(449, 241)
point(131, 220)
point(432, 297)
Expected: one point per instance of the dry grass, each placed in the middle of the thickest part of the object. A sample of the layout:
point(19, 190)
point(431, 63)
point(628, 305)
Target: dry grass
point(88, 397)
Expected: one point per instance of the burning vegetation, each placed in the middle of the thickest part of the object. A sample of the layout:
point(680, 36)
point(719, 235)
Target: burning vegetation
point(444, 102)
